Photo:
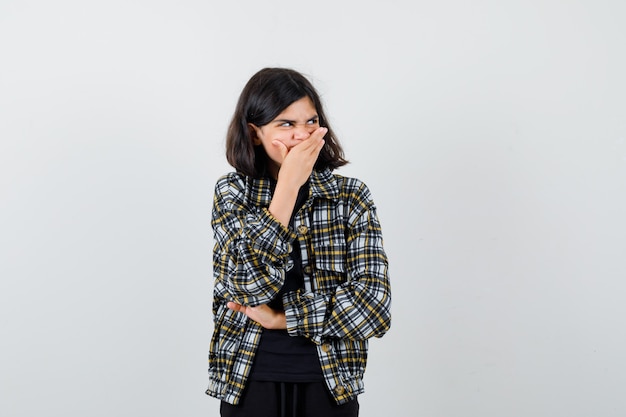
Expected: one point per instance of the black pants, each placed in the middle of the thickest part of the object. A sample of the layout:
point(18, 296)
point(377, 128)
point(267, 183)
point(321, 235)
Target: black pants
point(283, 399)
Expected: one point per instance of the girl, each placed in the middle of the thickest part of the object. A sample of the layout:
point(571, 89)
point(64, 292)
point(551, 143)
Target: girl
point(300, 271)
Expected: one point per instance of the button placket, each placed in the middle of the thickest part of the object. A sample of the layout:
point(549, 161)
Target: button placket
point(302, 230)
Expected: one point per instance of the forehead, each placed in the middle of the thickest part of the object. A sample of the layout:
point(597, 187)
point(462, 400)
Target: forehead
point(303, 107)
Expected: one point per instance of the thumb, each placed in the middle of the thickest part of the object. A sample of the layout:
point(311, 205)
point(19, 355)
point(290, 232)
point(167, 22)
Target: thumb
point(281, 147)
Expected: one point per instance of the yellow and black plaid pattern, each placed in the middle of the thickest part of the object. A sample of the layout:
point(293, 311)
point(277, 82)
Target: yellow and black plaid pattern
point(346, 299)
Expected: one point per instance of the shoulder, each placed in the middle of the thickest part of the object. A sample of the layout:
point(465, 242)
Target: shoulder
point(352, 189)
point(230, 189)
point(231, 180)
point(230, 183)
point(355, 196)
point(237, 188)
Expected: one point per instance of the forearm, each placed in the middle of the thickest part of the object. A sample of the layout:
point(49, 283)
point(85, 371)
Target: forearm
point(355, 311)
point(249, 259)
point(283, 202)
point(358, 305)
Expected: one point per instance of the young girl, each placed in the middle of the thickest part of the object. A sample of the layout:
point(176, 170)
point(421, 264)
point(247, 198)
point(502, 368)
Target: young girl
point(300, 272)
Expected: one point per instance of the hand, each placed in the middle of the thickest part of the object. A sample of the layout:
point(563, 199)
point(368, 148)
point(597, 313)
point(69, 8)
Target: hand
point(262, 314)
point(295, 169)
point(298, 162)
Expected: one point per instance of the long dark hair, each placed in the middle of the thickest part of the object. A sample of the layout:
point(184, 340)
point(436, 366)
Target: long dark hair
point(265, 96)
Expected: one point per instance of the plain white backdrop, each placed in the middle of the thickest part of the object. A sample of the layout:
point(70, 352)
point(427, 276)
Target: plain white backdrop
point(492, 135)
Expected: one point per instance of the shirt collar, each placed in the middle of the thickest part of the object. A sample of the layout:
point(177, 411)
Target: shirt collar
point(322, 185)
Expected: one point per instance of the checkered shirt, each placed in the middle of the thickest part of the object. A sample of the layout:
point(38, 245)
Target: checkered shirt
point(346, 298)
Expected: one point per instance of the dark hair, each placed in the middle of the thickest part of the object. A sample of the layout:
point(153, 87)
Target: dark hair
point(265, 96)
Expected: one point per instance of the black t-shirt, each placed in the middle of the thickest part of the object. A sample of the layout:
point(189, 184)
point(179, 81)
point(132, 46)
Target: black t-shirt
point(279, 356)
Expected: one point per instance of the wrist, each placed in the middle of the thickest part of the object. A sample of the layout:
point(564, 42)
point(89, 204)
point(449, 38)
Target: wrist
point(283, 201)
point(280, 321)
point(287, 188)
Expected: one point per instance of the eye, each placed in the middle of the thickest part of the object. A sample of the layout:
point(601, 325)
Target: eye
point(285, 124)
point(313, 121)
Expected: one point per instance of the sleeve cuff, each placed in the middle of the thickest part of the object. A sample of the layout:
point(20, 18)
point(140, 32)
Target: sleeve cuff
point(268, 235)
point(305, 313)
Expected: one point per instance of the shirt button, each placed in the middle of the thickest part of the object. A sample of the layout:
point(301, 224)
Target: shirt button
point(326, 347)
point(339, 390)
point(302, 230)
point(307, 269)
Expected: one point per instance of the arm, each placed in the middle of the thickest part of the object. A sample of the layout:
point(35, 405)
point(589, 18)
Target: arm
point(251, 246)
point(253, 243)
point(359, 308)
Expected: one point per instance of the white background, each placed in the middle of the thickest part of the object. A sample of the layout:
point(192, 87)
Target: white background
point(491, 133)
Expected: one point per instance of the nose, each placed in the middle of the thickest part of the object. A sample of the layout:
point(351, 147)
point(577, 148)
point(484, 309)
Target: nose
point(302, 132)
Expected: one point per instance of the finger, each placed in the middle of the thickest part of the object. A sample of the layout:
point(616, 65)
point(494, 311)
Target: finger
point(235, 307)
point(319, 132)
point(281, 147)
point(312, 142)
point(317, 135)
point(315, 150)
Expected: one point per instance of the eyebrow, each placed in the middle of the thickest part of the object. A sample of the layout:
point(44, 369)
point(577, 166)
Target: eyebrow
point(293, 121)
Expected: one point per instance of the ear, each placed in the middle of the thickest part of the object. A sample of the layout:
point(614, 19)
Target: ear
point(254, 133)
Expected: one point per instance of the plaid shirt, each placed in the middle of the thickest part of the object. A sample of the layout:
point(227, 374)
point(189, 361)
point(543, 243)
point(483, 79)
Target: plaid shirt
point(346, 298)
